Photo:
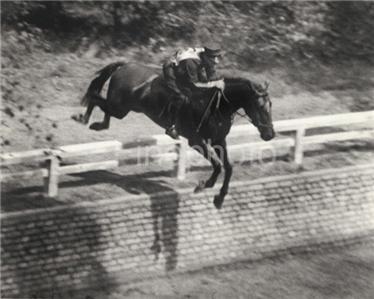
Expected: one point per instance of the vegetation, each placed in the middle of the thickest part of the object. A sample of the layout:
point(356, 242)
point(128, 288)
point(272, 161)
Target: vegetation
point(251, 32)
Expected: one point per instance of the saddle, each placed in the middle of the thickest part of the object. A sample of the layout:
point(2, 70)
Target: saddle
point(143, 87)
point(204, 104)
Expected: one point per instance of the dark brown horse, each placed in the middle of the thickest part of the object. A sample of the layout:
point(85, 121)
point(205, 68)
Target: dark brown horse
point(139, 88)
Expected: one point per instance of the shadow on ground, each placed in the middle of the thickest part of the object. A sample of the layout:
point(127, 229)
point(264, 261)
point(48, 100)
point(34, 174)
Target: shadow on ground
point(164, 208)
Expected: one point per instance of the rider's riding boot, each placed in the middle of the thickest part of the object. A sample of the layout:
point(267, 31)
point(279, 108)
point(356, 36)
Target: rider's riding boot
point(178, 102)
point(172, 132)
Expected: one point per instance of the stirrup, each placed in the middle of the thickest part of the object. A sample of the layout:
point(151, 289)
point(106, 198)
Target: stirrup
point(172, 132)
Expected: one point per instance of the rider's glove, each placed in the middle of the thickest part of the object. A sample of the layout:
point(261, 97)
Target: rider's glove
point(220, 84)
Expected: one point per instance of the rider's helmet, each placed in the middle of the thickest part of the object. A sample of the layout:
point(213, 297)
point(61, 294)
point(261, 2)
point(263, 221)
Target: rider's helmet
point(212, 49)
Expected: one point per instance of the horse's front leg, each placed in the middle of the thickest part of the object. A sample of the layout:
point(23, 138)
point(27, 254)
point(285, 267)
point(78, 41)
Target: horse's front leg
point(221, 150)
point(204, 149)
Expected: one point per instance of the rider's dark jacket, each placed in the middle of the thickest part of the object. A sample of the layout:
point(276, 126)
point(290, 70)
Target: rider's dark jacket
point(181, 78)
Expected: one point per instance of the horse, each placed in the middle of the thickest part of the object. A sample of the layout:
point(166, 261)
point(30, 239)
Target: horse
point(204, 121)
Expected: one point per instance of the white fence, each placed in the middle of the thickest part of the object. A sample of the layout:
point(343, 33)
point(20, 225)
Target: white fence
point(298, 141)
point(52, 158)
point(181, 153)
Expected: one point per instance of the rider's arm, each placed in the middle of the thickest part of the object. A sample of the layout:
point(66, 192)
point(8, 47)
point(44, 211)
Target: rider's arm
point(207, 84)
point(169, 76)
point(192, 69)
point(212, 74)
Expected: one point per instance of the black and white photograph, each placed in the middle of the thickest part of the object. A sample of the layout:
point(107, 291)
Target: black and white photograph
point(187, 149)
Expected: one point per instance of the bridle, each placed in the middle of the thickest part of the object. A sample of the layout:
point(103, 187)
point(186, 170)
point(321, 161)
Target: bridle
point(256, 124)
point(260, 95)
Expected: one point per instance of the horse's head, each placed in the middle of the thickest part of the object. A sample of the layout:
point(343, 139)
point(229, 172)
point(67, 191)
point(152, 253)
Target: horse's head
point(259, 110)
point(255, 101)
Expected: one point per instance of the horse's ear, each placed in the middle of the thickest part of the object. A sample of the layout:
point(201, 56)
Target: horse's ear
point(259, 93)
point(266, 85)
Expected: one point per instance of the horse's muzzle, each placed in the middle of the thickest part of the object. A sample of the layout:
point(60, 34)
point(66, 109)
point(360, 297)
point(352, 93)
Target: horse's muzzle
point(267, 134)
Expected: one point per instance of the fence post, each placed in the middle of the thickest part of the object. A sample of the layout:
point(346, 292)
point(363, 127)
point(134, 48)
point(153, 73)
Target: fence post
point(181, 150)
point(299, 151)
point(51, 181)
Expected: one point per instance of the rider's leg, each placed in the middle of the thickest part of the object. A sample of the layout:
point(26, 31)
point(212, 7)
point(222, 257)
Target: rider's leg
point(177, 97)
point(177, 102)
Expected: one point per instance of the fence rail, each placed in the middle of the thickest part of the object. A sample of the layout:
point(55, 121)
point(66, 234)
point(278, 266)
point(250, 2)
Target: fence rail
point(52, 157)
point(297, 141)
point(181, 152)
point(311, 122)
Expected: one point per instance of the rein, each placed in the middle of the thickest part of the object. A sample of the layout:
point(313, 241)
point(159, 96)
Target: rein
point(205, 114)
point(220, 94)
point(245, 115)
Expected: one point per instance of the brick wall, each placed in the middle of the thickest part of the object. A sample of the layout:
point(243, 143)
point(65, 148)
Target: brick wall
point(119, 240)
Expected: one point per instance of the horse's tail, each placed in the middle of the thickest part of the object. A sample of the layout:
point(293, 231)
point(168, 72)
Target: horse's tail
point(97, 84)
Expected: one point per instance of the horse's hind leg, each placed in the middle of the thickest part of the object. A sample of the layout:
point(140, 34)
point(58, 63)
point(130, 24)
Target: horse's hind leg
point(84, 119)
point(98, 126)
point(109, 110)
point(87, 115)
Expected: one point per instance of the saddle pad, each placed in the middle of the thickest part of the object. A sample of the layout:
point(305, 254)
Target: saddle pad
point(144, 83)
point(190, 53)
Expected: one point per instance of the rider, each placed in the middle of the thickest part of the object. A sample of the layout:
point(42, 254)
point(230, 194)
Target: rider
point(188, 69)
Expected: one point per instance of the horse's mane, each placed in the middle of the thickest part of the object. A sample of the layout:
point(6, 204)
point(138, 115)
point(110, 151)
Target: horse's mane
point(239, 81)
point(236, 80)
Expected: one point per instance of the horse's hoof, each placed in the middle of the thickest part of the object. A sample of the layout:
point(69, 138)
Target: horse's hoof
point(98, 126)
point(218, 201)
point(79, 118)
point(200, 187)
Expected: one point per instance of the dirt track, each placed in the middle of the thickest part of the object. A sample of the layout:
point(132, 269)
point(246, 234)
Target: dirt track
point(335, 274)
